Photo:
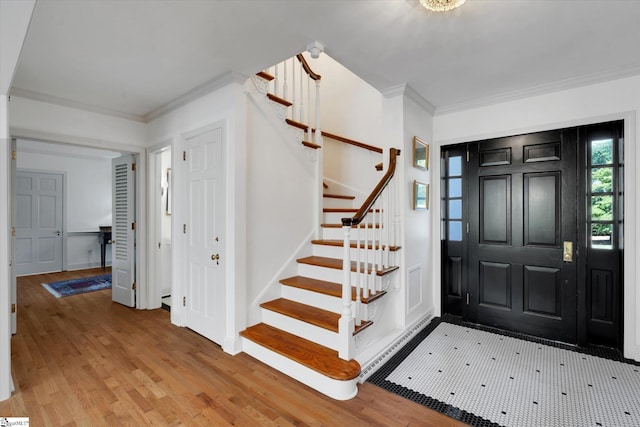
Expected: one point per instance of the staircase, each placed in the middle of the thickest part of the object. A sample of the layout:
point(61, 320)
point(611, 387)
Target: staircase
point(309, 332)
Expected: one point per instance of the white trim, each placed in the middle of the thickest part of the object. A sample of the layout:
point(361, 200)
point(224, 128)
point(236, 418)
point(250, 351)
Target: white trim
point(542, 89)
point(196, 93)
point(631, 341)
point(64, 102)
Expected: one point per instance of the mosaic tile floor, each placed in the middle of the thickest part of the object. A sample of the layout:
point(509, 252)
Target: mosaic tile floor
point(485, 379)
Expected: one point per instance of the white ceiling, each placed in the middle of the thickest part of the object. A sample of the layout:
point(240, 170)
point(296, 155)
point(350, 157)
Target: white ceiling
point(136, 56)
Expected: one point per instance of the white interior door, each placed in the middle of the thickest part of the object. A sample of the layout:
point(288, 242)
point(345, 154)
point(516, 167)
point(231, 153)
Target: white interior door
point(205, 291)
point(38, 222)
point(123, 232)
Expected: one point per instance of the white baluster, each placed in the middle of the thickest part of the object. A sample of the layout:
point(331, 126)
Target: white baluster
point(302, 106)
point(276, 81)
point(372, 290)
point(346, 324)
point(365, 274)
point(311, 137)
point(358, 278)
point(386, 223)
point(285, 89)
point(318, 127)
point(293, 91)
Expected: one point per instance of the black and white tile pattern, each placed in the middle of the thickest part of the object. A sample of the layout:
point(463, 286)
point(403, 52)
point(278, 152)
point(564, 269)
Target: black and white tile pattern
point(484, 378)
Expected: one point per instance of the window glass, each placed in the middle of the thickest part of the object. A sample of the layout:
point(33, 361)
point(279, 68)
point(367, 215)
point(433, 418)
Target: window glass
point(455, 187)
point(602, 180)
point(602, 236)
point(455, 209)
point(602, 152)
point(455, 230)
point(601, 208)
point(455, 166)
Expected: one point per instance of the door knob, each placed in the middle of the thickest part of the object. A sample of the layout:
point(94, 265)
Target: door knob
point(216, 258)
point(57, 232)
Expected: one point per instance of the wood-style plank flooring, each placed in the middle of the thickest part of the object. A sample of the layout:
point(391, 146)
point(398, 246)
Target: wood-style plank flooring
point(85, 361)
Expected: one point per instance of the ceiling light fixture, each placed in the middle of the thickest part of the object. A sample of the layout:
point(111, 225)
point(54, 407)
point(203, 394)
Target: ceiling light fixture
point(441, 5)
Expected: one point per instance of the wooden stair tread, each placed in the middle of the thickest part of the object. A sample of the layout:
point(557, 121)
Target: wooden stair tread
point(336, 263)
point(279, 100)
point(345, 210)
point(326, 288)
point(353, 226)
point(297, 124)
point(314, 356)
point(338, 196)
point(340, 243)
point(311, 145)
point(265, 75)
point(306, 313)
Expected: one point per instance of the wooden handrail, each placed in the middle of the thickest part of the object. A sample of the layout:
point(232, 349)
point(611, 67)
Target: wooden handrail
point(351, 142)
point(368, 204)
point(307, 68)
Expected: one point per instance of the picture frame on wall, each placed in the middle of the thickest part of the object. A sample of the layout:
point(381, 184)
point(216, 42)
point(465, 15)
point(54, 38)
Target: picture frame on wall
point(420, 153)
point(420, 195)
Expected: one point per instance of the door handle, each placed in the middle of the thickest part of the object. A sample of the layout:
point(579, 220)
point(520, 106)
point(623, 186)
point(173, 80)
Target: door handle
point(58, 232)
point(567, 252)
point(216, 258)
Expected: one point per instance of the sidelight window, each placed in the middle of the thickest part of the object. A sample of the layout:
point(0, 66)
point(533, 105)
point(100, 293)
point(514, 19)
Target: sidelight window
point(453, 216)
point(602, 206)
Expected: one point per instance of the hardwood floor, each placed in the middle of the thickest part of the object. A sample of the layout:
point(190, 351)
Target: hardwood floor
point(85, 361)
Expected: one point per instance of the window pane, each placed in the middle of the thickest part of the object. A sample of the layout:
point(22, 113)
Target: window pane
point(602, 208)
point(602, 236)
point(602, 152)
point(601, 180)
point(455, 230)
point(455, 166)
point(455, 209)
point(455, 187)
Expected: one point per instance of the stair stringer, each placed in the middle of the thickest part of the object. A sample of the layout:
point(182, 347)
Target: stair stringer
point(273, 288)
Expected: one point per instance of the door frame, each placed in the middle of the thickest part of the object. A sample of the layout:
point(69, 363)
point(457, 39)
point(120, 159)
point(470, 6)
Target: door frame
point(631, 274)
point(141, 194)
point(153, 180)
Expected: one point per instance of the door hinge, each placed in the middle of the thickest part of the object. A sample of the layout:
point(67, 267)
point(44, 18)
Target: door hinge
point(184, 228)
point(133, 167)
point(184, 155)
point(14, 154)
point(467, 298)
point(13, 308)
point(184, 301)
point(13, 231)
point(133, 286)
point(158, 245)
point(467, 156)
point(133, 225)
point(467, 228)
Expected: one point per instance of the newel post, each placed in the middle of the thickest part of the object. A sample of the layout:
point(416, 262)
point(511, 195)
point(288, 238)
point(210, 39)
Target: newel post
point(346, 324)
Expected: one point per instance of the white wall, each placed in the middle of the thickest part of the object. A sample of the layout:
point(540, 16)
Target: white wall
point(227, 105)
point(617, 99)
point(87, 198)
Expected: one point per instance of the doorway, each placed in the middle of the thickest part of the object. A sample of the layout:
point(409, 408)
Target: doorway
point(532, 229)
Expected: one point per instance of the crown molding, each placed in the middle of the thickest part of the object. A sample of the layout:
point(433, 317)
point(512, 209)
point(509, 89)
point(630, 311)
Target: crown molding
point(63, 102)
point(197, 92)
point(566, 84)
point(406, 90)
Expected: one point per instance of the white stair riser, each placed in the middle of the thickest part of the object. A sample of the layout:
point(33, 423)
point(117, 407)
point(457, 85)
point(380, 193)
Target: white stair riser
point(336, 252)
point(328, 274)
point(302, 329)
point(339, 390)
point(336, 217)
point(303, 296)
point(337, 233)
point(328, 202)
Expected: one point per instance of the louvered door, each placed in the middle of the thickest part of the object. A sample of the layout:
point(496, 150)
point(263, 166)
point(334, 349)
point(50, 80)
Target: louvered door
point(123, 233)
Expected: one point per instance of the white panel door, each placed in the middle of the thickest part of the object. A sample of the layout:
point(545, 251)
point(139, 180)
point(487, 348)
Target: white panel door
point(205, 291)
point(123, 233)
point(38, 222)
point(12, 264)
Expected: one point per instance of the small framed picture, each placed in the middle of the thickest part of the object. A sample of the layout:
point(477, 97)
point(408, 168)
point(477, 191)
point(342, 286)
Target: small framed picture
point(420, 195)
point(420, 153)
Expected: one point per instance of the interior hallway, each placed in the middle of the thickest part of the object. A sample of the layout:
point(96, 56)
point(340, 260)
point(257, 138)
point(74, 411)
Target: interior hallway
point(83, 360)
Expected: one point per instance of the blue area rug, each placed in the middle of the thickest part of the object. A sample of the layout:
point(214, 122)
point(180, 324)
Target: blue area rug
point(78, 286)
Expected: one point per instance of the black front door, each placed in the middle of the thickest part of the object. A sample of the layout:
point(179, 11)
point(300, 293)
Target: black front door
point(522, 234)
